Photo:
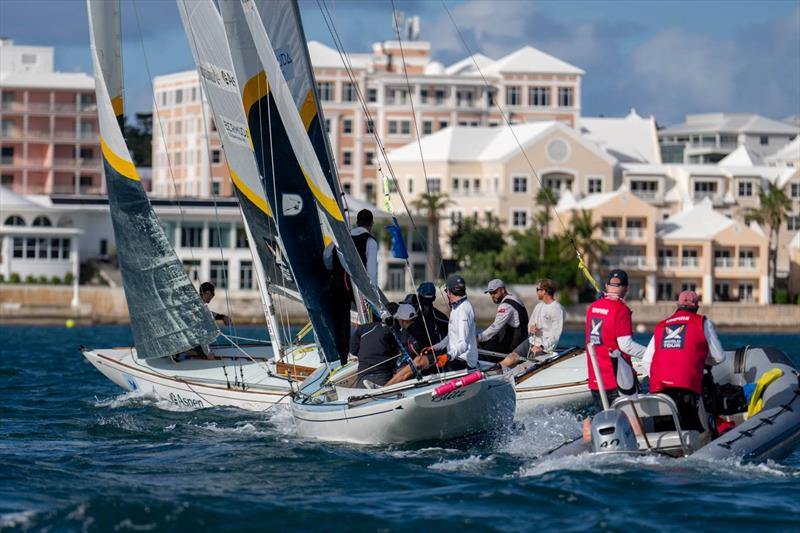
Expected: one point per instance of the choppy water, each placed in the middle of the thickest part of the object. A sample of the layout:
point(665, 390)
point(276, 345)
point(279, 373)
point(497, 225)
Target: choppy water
point(77, 454)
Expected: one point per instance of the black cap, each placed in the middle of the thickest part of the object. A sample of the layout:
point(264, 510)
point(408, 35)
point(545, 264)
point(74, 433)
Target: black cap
point(364, 217)
point(427, 291)
point(456, 285)
point(621, 275)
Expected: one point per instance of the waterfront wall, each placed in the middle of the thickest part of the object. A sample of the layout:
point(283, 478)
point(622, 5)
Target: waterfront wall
point(37, 304)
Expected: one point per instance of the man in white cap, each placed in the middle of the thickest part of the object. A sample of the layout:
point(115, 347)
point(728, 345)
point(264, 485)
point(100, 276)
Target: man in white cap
point(510, 321)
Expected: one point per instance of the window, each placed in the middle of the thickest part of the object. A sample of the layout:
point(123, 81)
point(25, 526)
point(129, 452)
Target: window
point(369, 126)
point(178, 96)
point(372, 95)
point(327, 125)
point(664, 291)
point(177, 159)
point(427, 127)
point(565, 97)
point(410, 185)
point(7, 180)
point(169, 229)
point(191, 235)
point(476, 185)
point(434, 185)
point(178, 127)
point(347, 158)
point(456, 217)
point(539, 96)
point(192, 269)
point(519, 219)
point(793, 222)
point(241, 237)
point(28, 59)
point(7, 155)
point(396, 277)
point(439, 96)
point(246, 275)
point(745, 189)
point(369, 191)
point(30, 248)
point(14, 220)
point(512, 95)
point(164, 99)
point(689, 286)
point(218, 274)
point(219, 235)
point(347, 126)
point(41, 248)
point(348, 187)
point(703, 189)
point(745, 291)
point(519, 184)
point(764, 140)
point(369, 158)
point(595, 185)
point(215, 188)
point(442, 124)
point(348, 92)
point(405, 127)
point(399, 127)
point(216, 157)
point(42, 221)
point(795, 191)
point(194, 94)
point(19, 248)
point(392, 127)
point(325, 90)
point(456, 184)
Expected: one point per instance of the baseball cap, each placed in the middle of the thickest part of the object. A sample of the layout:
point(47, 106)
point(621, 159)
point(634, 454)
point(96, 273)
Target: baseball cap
point(456, 285)
point(688, 298)
point(427, 290)
point(405, 312)
point(494, 285)
point(621, 275)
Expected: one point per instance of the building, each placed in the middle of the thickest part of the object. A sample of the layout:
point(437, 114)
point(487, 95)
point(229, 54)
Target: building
point(49, 140)
point(529, 84)
point(487, 171)
point(708, 138)
point(629, 139)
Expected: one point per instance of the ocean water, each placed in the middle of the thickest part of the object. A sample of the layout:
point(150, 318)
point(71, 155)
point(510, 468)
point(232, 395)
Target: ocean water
point(76, 454)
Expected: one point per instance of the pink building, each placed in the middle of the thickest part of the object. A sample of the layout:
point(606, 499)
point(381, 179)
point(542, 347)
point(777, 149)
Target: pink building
point(48, 125)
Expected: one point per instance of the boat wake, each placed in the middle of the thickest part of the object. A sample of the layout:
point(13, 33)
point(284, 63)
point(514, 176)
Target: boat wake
point(128, 399)
point(471, 463)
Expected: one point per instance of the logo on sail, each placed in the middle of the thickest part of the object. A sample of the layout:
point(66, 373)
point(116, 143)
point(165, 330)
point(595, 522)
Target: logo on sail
point(292, 204)
point(235, 131)
point(286, 63)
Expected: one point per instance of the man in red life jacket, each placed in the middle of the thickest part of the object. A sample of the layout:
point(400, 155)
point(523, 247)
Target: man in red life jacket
point(680, 348)
point(609, 329)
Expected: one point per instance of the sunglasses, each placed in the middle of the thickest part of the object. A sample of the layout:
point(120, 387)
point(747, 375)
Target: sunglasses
point(539, 289)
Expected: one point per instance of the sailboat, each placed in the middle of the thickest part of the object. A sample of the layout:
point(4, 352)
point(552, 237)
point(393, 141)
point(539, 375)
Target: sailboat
point(168, 318)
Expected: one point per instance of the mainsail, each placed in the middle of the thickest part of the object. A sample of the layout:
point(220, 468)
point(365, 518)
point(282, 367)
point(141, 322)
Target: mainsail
point(167, 315)
point(206, 36)
point(282, 17)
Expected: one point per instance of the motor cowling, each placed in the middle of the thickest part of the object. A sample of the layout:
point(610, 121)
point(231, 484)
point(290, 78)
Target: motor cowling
point(612, 432)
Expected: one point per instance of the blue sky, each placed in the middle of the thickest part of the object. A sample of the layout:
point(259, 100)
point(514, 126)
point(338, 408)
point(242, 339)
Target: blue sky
point(666, 58)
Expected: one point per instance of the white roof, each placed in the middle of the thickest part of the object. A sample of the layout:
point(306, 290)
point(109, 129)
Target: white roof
point(529, 59)
point(434, 68)
point(483, 144)
point(741, 157)
point(467, 65)
point(795, 242)
point(325, 57)
point(699, 221)
point(47, 80)
point(588, 202)
point(11, 201)
point(730, 123)
point(789, 152)
point(630, 138)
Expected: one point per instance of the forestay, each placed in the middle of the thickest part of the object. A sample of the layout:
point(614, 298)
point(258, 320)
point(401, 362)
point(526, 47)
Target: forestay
point(307, 158)
point(167, 315)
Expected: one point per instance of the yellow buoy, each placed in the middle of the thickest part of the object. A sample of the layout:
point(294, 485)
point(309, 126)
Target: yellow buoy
point(70, 323)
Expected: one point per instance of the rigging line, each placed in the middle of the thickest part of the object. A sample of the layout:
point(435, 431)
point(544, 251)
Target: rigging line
point(177, 201)
point(508, 123)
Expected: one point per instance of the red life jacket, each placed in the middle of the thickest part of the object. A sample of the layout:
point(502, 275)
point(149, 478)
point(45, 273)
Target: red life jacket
point(680, 353)
point(601, 320)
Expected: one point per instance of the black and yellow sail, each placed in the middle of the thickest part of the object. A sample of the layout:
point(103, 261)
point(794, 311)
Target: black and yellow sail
point(167, 315)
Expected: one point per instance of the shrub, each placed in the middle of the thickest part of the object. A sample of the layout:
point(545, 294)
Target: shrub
point(781, 296)
point(2, 278)
point(42, 280)
point(14, 278)
point(68, 278)
point(55, 280)
point(30, 279)
point(564, 298)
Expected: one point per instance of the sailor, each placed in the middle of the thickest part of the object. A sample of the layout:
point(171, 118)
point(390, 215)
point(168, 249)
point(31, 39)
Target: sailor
point(366, 244)
point(430, 326)
point(375, 346)
point(609, 329)
point(681, 346)
point(207, 291)
point(510, 321)
point(341, 297)
point(404, 318)
point(545, 325)
point(460, 343)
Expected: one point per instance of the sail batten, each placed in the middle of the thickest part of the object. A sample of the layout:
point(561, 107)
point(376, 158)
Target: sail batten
point(167, 315)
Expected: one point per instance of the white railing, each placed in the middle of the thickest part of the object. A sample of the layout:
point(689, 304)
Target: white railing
point(631, 261)
point(747, 262)
point(634, 233)
point(668, 262)
point(690, 262)
point(723, 262)
point(611, 233)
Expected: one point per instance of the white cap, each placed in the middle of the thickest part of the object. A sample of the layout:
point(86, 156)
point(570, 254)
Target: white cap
point(405, 312)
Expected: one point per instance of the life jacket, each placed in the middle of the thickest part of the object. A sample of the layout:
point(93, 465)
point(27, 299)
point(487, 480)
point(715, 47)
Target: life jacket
point(376, 350)
point(680, 353)
point(360, 241)
point(510, 337)
point(601, 319)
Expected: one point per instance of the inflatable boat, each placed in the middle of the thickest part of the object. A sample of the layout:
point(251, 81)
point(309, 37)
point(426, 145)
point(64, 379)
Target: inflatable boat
point(752, 413)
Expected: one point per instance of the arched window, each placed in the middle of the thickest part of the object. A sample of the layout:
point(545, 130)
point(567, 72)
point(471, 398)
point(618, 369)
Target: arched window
point(65, 222)
point(42, 220)
point(14, 220)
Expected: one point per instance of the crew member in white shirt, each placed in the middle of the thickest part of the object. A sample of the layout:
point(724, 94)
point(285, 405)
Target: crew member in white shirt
point(545, 325)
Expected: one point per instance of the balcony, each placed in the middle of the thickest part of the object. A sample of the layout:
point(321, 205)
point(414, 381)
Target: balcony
point(646, 195)
point(630, 261)
point(724, 262)
point(668, 262)
point(690, 262)
point(749, 263)
point(634, 234)
point(12, 106)
point(611, 234)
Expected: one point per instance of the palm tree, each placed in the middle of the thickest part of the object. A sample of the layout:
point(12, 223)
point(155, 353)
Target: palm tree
point(432, 204)
point(772, 211)
point(546, 198)
point(581, 235)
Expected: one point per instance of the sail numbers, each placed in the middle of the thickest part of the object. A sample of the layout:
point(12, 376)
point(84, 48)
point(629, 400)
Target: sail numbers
point(224, 79)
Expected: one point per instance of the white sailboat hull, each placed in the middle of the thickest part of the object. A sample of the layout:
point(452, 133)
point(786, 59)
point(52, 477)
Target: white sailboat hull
point(409, 413)
point(202, 383)
point(562, 384)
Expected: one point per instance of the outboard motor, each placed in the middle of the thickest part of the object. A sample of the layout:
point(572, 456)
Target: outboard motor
point(612, 432)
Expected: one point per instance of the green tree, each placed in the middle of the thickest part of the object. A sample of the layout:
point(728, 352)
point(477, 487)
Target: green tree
point(581, 235)
point(772, 212)
point(431, 204)
point(139, 139)
point(546, 198)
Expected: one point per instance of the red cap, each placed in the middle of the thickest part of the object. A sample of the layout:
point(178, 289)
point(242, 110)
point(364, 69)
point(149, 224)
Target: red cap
point(688, 298)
